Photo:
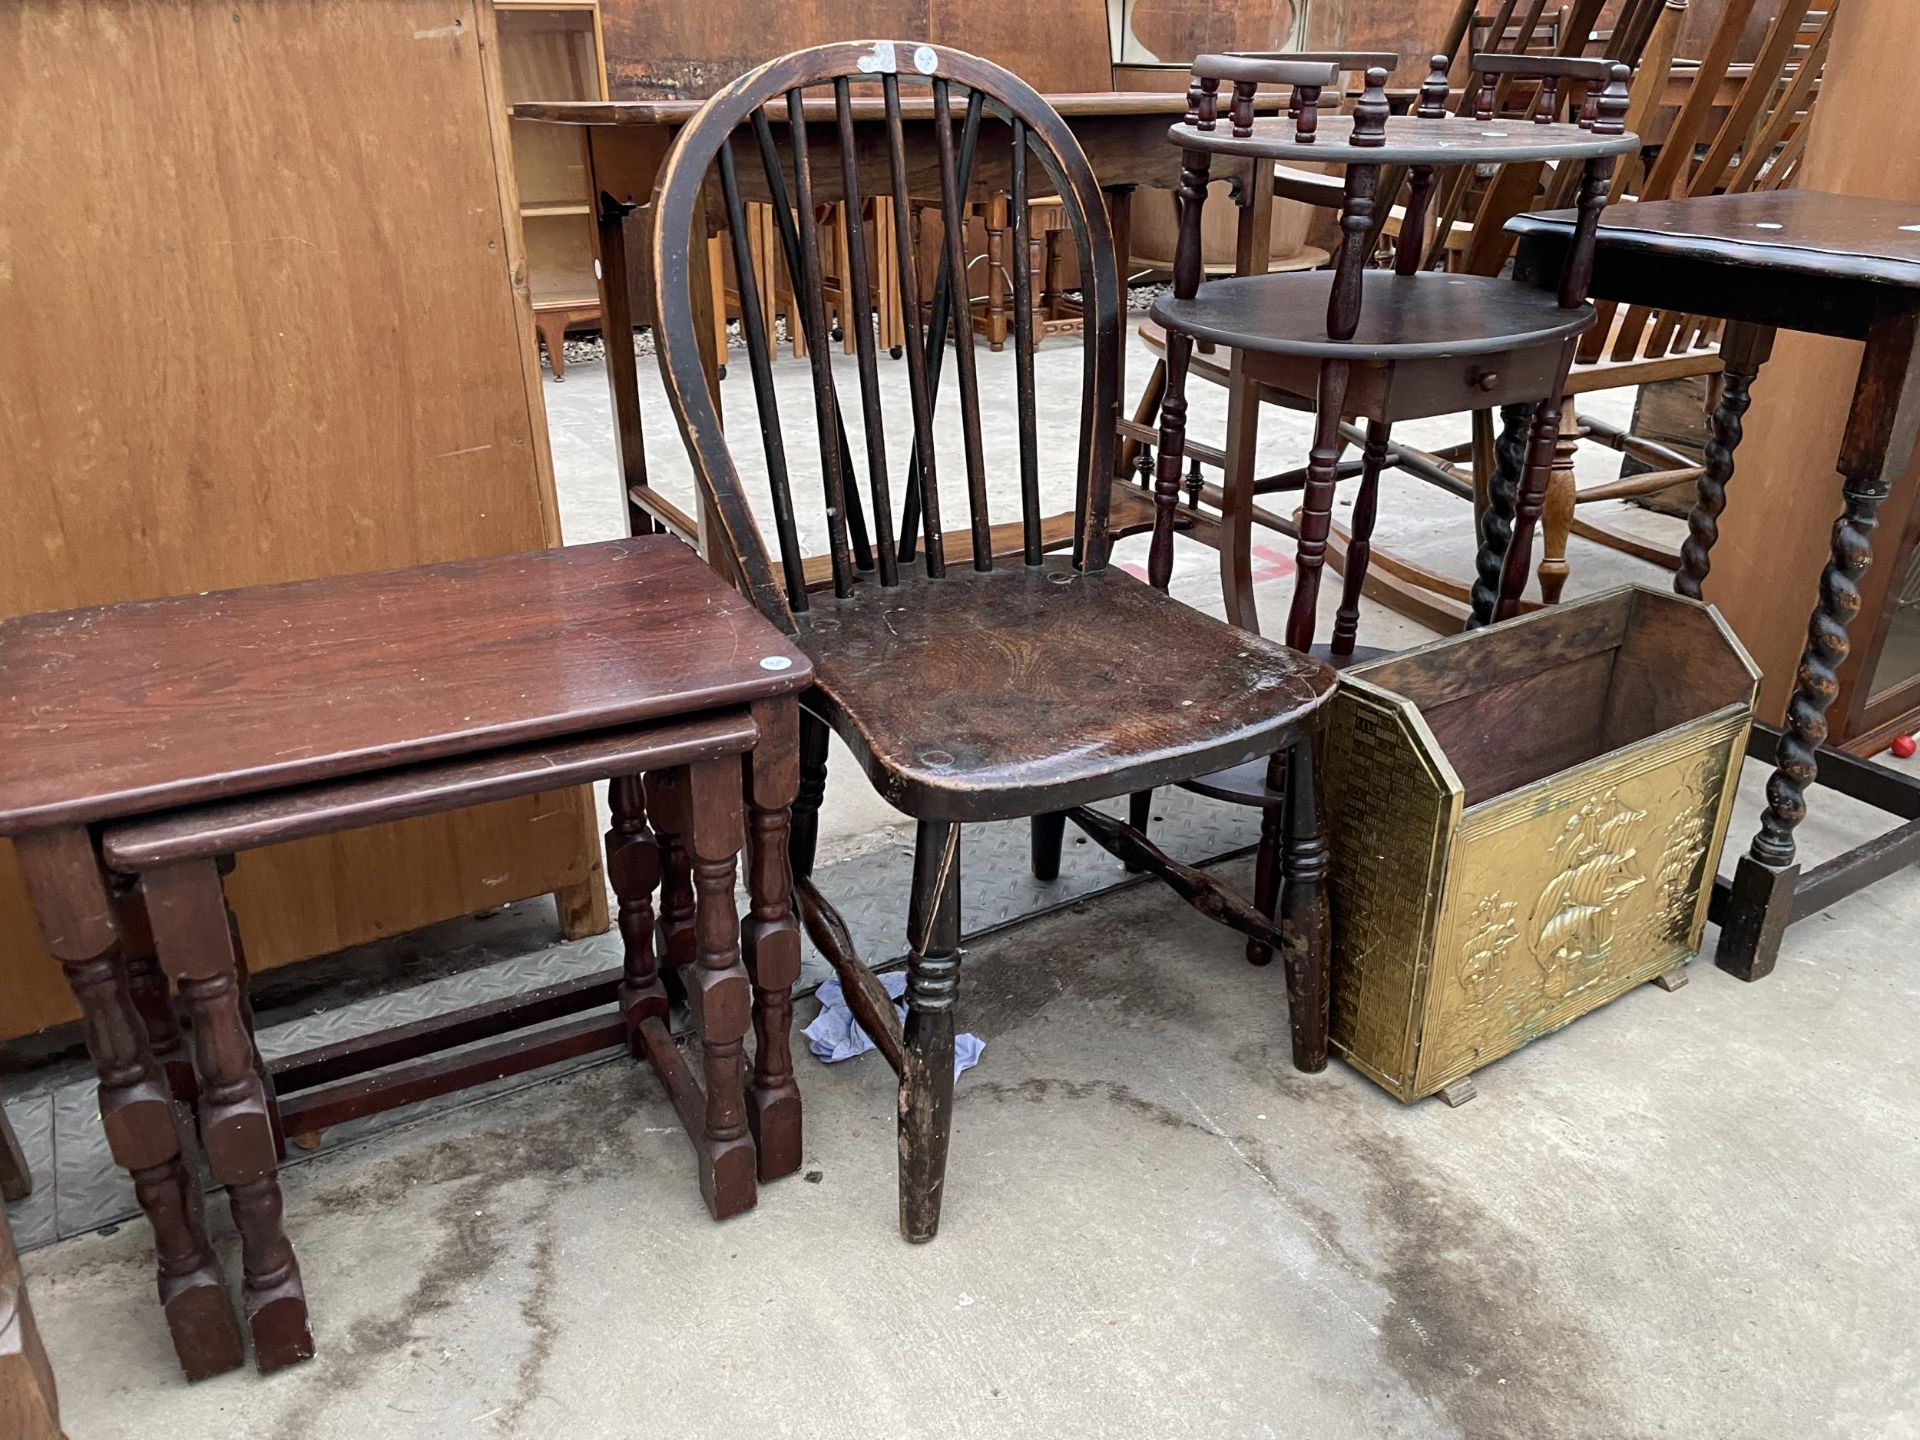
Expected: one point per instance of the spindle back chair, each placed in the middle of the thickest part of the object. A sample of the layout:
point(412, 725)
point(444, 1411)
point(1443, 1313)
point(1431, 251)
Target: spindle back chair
point(974, 679)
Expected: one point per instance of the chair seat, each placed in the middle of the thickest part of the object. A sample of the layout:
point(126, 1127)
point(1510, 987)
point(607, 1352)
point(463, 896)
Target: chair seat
point(1433, 315)
point(998, 694)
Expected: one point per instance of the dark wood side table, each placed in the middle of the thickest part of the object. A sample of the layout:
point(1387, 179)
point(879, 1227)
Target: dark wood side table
point(1831, 265)
point(166, 736)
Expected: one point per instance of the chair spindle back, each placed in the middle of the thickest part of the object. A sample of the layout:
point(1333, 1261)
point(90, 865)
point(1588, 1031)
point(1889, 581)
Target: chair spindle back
point(740, 147)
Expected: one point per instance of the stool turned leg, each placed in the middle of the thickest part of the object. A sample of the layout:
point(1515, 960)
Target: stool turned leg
point(666, 800)
point(152, 996)
point(1267, 863)
point(717, 986)
point(1307, 919)
point(1496, 523)
point(633, 868)
point(146, 1129)
point(1316, 505)
point(191, 930)
point(772, 940)
point(1556, 518)
point(1366, 510)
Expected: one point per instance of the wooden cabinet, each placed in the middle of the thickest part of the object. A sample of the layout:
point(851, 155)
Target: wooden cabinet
point(266, 318)
point(552, 50)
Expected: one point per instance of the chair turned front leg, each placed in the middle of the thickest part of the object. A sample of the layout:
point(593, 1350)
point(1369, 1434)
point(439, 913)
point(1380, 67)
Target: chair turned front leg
point(718, 988)
point(926, 1071)
point(805, 836)
point(1366, 510)
point(1047, 838)
point(190, 930)
point(1307, 919)
point(772, 940)
point(634, 869)
point(1267, 861)
point(147, 1131)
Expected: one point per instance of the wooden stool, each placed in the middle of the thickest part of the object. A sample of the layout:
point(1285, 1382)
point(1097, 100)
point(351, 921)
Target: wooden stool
point(249, 717)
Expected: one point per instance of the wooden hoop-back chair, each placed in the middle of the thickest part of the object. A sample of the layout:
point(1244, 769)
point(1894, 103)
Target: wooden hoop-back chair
point(972, 686)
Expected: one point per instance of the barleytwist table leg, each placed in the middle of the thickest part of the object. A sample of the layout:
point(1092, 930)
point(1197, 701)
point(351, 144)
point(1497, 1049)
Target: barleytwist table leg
point(147, 1131)
point(1743, 350)
point(772, 940)
point(1496, 525)
point(1883, 423)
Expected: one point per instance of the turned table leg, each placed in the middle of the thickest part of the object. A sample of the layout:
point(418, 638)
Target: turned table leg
point(146, 1129)
point(192, 931)
point(772, 938)
point(717, 985)
point(633, 869)
point(152, 995)
point(1883, 423)
point(1743, 350)
point(667, 801)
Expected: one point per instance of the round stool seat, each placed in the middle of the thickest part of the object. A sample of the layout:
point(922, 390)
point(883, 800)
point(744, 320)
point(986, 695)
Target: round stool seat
point(1430, 316)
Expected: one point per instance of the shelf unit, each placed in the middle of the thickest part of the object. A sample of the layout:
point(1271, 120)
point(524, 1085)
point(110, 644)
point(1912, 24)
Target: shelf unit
point(553, 50)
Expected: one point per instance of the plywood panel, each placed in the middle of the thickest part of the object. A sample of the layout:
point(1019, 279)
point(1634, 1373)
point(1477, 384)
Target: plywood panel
point(1786, 494)
point(264, 321)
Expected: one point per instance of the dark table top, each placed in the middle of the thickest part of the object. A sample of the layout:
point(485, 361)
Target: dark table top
point(1790, 232)
point(123, 709)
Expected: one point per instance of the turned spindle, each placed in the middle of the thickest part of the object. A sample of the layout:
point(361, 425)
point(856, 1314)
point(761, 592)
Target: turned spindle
point(1489, 94)
point(1307, 116)
point(1370, 112)
point(1547, 108)
point(1193, 100)
point(1209, 103)
point(1610, 111)
point(1434, 91)
point(1243, 108)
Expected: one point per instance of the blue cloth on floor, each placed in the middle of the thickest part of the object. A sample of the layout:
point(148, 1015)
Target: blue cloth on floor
point(836, 1035)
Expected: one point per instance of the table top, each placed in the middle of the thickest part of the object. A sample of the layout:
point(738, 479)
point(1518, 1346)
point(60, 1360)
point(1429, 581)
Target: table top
point(914, 105)
point(1808, 233)
point(123, 709)
point(1455, 140)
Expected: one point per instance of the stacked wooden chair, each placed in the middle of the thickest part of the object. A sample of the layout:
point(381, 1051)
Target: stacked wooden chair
point(975, 676)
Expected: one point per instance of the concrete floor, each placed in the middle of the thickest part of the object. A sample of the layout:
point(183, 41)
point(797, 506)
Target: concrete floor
point(1687, 1215)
